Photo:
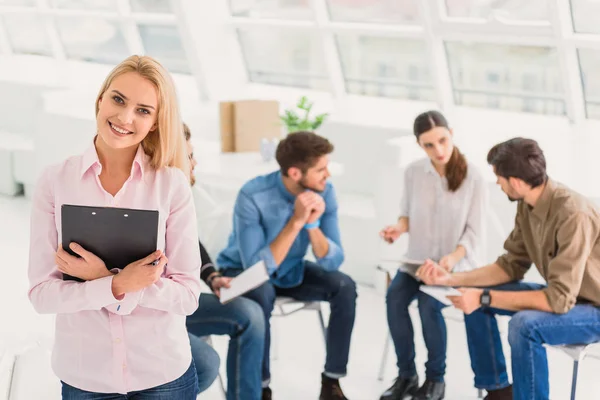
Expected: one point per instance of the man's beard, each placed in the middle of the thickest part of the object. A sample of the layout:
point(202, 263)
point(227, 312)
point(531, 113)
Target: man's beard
point(302, 183)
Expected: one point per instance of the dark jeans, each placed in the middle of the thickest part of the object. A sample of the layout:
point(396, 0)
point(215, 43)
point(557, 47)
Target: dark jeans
point(402, 291)
point(527, 333)
point(184, 388)
point(241, 319)
point(334, 287)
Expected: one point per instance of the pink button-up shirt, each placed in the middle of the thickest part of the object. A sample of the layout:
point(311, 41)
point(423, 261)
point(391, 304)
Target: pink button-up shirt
point(103, 344)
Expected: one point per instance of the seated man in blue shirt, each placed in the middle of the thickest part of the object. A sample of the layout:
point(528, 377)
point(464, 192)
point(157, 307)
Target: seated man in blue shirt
point(276, 217)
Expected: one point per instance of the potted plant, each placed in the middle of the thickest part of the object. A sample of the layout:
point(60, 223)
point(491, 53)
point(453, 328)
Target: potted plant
point(295, 122)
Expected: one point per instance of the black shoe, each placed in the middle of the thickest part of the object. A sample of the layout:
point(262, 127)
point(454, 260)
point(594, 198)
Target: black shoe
point(266, 394)
point(401, 388)
point(431, 391)
point(330, 389)
point(500, 394)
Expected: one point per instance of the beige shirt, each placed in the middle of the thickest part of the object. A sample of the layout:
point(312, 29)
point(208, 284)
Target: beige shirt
point(560, 235)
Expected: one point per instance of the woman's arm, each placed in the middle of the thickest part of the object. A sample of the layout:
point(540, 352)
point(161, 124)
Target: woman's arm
point(179, 289)
point(48, 293)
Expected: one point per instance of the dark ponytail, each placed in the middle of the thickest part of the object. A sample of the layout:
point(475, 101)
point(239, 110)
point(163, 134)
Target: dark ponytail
point(456, 168)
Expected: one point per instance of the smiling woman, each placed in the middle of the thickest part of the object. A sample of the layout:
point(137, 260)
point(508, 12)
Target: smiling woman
point(131, 320)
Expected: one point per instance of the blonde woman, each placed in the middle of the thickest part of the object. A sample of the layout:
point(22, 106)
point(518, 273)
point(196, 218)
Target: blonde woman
point(121, 334)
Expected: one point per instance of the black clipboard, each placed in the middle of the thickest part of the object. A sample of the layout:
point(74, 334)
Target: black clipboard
point(119, 236)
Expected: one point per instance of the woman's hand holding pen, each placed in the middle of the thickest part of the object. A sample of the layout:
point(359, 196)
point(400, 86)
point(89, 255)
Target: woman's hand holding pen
point(139, 274)
point(391, 233)
point(88, 267)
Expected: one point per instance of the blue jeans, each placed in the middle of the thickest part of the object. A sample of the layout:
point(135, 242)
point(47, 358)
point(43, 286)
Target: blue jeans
point(318, 285)
point(243, 321)
point(402, 291)
point(184, 388)
point(528, 331)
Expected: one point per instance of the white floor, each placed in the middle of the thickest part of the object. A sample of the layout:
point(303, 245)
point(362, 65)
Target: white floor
point(296, 372)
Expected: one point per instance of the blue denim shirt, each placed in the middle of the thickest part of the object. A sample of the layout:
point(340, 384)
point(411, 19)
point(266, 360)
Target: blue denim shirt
point(263, 207)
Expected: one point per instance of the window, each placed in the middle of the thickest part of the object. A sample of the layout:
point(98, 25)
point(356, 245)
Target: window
point(24, 3)
point(287, 58)
point(585, 16)
point(517, 78)
point(92, 39)
point(96, 5)
point(516, 10)
point(386, 67)
point(152, 6)
point(589, 61)
point(375, 11)
point(280, 9)
point(27, 34)
point(164, 43)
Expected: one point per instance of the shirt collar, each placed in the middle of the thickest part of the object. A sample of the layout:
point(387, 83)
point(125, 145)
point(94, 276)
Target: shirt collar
point(428, 167)
point(542, 206)
point(90, 159)
point(284, 191)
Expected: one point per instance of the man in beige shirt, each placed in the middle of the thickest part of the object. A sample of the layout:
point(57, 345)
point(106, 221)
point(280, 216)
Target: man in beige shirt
point(556, 229)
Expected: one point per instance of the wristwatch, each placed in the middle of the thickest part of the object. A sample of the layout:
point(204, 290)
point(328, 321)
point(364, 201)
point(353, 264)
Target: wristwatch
point(486, 298)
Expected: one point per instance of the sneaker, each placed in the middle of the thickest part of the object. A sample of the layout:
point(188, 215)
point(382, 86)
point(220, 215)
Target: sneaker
point(330, 389)
point(431, 391)
point(401, 388)
point(500, 394)
point(266, 394)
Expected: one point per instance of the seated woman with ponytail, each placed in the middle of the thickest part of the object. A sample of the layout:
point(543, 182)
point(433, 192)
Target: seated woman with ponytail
point(443, 210)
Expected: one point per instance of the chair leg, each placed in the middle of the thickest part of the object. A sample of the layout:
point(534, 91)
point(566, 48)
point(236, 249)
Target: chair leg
point(323, 327)
point(223, 390)
point(384, 356)
point(574, 381)
point(274, 341)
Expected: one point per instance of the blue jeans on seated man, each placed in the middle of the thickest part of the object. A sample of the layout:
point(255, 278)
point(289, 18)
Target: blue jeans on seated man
point(243, 321)
point(184, 388)
point(334, 287)
point(402, 291)
point(528, 331)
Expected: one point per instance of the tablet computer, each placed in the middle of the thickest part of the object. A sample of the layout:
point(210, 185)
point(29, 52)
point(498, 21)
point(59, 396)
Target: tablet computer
point(119, 236)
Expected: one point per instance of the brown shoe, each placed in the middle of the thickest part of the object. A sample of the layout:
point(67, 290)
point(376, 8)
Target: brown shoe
point(330, 389)
point(266, 394)
point(500, 394)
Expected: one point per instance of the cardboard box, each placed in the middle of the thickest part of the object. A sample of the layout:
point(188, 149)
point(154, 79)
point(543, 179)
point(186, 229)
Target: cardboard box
point(245, 123)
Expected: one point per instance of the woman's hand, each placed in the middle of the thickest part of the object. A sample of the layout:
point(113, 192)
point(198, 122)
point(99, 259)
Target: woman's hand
point(139, 274)
point(391, 233)
point(88, 267)
point(432, 274)
point(449, 261)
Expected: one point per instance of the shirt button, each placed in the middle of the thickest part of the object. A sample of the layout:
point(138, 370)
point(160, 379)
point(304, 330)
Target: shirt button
point(124, 365)
point(118, 340)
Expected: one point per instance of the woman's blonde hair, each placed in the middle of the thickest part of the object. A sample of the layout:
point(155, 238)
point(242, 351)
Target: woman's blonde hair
point(166, 144)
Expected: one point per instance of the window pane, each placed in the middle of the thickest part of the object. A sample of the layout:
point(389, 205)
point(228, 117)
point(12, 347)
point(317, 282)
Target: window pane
point(516, 10)
point(589, 61)
point(26, 3)
point(282, 9)
point(164, 43)
point(27, 35)
point(284, 58)
point(383, 11)
point(99, 5)
point(152, 6)
point(92, 39)
point(518, 78)
point(585, 15)
point(386, 67)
